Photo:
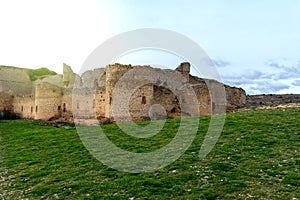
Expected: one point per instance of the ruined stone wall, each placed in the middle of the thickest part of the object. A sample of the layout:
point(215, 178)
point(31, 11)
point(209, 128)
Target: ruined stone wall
point(193, 95)
point(133, 94)
point(93, 78)
point(184, 69)
point(113, 74)
point(140, 89)
point(100, 103)
point(204, 99)
point(48, 101)
point(24, 106)
point(84, 103)
point(140, 101)
point(180, 93)
point(54, 80)
point(168, 100)
point(166, 90)
point(95, 81)
point(67, 104)
point(69, 77)
point(236, 98)
point(15, 80)
point(6, 102)
point(173, 93)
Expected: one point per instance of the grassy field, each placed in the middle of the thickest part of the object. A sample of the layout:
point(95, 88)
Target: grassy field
point(256, 157)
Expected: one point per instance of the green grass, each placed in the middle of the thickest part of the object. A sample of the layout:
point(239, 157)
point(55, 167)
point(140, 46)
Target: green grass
point(40, 73)
point(34, 74)
point(256, 157)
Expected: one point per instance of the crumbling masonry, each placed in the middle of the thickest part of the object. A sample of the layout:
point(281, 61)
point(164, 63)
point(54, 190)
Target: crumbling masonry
point(58, 97)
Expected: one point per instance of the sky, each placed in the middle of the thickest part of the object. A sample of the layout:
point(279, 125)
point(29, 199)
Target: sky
point(254, 44)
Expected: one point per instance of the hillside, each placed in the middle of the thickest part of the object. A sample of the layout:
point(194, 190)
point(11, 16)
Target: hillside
point(256, 157)
point(271, 99)
point(40, 73)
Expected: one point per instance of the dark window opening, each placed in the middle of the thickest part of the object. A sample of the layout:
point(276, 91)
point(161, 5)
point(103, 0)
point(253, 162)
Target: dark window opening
point(110, 100)
point(31, 109)
point(143, 99)
point(59, 108)
point(22, 108)
point(36, 108)
point(173, 110)
point(64, 107)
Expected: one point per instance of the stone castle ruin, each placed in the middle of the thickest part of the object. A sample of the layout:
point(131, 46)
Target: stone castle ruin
point(115, 92)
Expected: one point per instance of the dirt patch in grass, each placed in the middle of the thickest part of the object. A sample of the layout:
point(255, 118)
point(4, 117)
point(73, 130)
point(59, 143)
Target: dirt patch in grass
point(272, 107)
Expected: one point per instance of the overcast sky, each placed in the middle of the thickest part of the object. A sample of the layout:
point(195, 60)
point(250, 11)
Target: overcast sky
point(254, 44)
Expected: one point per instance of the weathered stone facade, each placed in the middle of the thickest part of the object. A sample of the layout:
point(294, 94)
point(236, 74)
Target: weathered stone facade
point(115, 92)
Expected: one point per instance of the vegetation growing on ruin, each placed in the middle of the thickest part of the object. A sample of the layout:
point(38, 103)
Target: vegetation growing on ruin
point(256, 157)
point(40, 73)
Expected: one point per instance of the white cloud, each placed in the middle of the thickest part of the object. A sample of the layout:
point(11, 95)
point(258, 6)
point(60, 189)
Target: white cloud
point(296, 83)
point(220, 62)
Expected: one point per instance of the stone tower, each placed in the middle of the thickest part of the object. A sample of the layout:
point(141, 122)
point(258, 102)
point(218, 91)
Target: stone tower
point(184, 69)
point(113, 74)
point(135, 94)
point(48, 101)
point(6, 100)
point(68, 76)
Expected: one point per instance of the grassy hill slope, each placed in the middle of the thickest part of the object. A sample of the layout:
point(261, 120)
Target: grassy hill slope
point(33, 74)
point(256, 157)
point(40, 73)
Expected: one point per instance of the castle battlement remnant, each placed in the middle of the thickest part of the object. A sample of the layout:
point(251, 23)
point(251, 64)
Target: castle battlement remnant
point(137, 90)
